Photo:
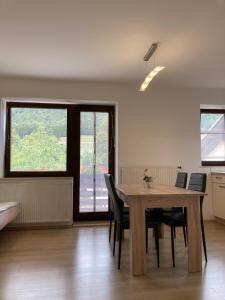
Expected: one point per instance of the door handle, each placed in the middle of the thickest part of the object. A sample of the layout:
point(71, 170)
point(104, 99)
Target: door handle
point(219, 177)
point(222, 186)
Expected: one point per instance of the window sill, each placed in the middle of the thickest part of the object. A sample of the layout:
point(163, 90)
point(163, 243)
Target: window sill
point(37, 174)
point(213, 163)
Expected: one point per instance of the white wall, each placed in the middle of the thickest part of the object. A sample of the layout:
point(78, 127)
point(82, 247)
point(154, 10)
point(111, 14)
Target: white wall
point(159, 127)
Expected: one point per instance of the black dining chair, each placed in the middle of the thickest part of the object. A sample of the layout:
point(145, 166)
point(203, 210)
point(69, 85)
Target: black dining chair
point(122, 219)
point(181, 182)
point(111, 215)
point(197, 183)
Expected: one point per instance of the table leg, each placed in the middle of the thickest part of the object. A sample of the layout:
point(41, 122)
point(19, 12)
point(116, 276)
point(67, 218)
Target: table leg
point(137, 237)
point(194, 235)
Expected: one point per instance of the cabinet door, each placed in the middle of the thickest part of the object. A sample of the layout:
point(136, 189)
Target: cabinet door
point(218, 178)
point(219, 200)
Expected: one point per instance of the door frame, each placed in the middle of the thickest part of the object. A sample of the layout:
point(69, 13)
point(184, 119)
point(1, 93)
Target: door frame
point(77, 216)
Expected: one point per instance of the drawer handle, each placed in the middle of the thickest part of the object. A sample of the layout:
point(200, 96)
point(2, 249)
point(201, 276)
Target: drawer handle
point(217, 177)
point(222, 186)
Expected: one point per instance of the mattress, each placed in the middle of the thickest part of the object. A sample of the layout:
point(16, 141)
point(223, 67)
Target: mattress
point(6, 205)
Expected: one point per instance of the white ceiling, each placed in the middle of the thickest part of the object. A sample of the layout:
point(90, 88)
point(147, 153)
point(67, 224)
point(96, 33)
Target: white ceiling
point(106, 40)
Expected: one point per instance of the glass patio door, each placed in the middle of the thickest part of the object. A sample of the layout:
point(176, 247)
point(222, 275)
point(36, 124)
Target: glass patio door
point(96, 159)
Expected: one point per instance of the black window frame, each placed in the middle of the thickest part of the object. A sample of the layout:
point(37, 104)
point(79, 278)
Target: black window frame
point(73, 156)
point(214, 163)
point(7, 160)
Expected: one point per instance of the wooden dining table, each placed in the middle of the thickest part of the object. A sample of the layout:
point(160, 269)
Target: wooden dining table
point(138, 198)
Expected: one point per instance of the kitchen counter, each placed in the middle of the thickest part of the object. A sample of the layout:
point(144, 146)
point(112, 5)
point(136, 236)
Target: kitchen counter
point(218, 190)
point(218, 173)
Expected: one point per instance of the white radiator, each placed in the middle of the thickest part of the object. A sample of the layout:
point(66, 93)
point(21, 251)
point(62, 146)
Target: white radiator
point(43, 200)
point(161, 175)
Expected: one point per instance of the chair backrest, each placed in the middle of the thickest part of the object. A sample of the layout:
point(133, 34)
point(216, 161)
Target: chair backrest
point(181, 180)
point(107, 183)
point(116, 201)
point(197, 183)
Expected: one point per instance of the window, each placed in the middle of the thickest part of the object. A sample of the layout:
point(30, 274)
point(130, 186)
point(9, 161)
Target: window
point(213, 137)
point(64, 140)
point(36, 139)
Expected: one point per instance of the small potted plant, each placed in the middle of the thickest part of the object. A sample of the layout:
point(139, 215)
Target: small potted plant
point(147, 179)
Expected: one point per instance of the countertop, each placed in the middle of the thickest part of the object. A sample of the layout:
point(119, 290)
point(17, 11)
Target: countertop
point(218, 173)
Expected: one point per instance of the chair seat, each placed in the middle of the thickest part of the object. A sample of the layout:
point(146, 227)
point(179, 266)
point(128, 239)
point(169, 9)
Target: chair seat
point(169, 213)
point(152, 223)
point(154, 213)
point(126, 210)
point(152, 220)
point(172, 209)
point(125, 221)
point(174, 219)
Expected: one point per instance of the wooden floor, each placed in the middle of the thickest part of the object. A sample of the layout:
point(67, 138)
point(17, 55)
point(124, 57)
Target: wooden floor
point(77, 263)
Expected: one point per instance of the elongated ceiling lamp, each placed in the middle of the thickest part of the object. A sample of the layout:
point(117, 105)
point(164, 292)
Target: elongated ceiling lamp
point(154, 72)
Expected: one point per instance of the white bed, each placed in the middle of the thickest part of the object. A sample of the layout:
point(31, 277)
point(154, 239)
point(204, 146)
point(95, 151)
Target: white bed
point(8, 212)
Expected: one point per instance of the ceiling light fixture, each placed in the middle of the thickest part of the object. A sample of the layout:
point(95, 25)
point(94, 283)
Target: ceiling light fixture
point(150, 76)
point(154, 72)
point(150, 51)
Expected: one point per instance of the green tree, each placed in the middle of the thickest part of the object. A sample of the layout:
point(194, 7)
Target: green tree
point(28, 120)
point(37, 151)
point(87, 142)
point(39, 140)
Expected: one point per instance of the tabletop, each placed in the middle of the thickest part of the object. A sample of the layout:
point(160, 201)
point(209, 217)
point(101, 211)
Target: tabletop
point(134, 190)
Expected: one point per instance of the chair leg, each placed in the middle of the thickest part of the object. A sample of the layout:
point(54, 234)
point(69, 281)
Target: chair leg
point(123, 234)
point(157, 243)
point(203, 240)
point(172, 245)
point(185, 238)
point(174, 232)
point(114, 238)
point(110, 224)
point(120, 246)
point(146, 238)
point(117, 238)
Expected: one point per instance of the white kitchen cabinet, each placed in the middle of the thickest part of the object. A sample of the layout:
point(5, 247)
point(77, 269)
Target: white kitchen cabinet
point(218, 181)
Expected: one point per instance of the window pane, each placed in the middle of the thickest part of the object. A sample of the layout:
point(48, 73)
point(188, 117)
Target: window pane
point(102, 150)
point(213, 123)
point(213, 147)
point(38, 139)
point(94, 161)
point(87, 162)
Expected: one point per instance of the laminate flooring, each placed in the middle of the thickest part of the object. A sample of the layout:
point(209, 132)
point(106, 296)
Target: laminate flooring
point(77, 263)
